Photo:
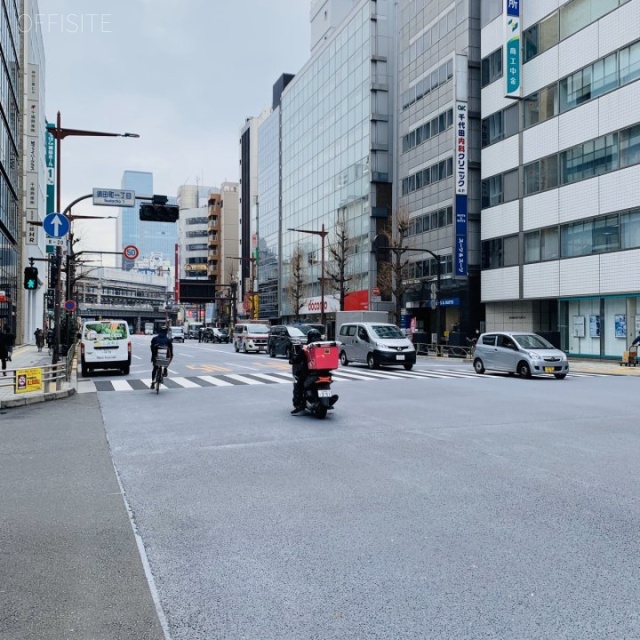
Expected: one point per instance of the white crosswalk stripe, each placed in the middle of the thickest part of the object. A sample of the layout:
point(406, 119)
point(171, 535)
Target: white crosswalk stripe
point(284, 377)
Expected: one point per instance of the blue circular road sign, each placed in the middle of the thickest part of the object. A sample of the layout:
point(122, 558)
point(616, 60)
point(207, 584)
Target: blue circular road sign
point(56, 225)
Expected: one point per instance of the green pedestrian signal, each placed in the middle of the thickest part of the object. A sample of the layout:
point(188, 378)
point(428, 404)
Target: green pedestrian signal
point(31, 278)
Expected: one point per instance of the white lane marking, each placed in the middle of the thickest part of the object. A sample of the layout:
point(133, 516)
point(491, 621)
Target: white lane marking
point(239, 378)
point(86, 386)
point(234, 364)
point(391, 375)
point(183, 382)
point(138, 357)
point(216, 381)
point(266, 376)
point(350, 376)
point(121, 385)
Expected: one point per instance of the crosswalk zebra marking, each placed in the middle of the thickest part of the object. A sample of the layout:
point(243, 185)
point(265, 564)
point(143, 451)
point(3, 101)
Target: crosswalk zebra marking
point(216, 382)
point(283, 377)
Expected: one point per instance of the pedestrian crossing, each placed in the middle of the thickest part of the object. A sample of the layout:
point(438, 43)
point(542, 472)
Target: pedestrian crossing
point(284, 377)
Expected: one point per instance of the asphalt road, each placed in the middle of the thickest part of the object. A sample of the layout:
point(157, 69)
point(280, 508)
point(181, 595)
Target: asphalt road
point(439, 508)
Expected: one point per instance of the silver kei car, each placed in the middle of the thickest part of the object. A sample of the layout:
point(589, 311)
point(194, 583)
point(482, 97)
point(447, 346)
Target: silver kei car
point(526, 354)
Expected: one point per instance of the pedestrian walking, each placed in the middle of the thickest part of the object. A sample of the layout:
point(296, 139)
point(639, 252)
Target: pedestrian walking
point(39, 338)
point(10, 341)
point(3, 353)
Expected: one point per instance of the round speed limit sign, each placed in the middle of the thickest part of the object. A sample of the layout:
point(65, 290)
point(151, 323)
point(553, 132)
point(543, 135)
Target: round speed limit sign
point(131, 252)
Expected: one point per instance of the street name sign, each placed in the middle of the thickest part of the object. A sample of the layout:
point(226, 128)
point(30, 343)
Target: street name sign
point(114, 198)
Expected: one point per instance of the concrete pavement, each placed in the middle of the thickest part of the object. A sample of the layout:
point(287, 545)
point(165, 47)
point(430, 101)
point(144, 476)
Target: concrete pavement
point(69, 559)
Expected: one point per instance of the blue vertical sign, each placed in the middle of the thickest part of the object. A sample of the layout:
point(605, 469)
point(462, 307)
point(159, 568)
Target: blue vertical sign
point(50, 155)
point(512, 55)
point(461, 173)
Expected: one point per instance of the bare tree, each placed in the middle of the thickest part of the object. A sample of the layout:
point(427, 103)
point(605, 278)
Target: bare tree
point(295, 288)
point(336, 270)
point(393, 260)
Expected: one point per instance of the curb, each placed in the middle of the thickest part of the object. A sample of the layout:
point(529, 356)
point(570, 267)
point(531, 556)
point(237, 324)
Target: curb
point(36, 399)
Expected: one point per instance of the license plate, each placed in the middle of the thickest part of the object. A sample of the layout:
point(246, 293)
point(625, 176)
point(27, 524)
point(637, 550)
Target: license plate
point(399, 357)
point(549, 369)
point(324, 393)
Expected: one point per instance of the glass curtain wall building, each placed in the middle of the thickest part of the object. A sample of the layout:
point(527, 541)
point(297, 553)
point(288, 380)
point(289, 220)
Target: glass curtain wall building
point(10, 46)
point(560, 169)
point(153, 239)
point(336, 153)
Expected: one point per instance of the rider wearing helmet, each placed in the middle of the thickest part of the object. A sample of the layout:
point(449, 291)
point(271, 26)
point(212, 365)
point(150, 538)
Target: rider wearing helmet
point(300, 370)
point(162, 340)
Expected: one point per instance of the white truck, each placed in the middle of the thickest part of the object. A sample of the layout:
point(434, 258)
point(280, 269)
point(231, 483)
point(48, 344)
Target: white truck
point(360, 316)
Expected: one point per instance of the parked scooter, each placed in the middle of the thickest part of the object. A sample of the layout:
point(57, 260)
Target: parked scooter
point(315, 379)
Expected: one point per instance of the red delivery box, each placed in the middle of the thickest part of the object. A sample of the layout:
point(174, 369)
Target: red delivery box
point(323, 356)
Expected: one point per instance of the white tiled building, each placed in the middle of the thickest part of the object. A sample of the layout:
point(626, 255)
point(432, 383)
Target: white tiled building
point(561, 173)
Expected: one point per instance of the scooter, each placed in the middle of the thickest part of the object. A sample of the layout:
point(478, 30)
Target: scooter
point(322, 358)
point(318, 398)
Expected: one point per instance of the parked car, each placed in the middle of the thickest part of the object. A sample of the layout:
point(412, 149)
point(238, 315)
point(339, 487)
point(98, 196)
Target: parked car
point(376, 344)
point(283, 337)
point(526, 354)
point(176, 334)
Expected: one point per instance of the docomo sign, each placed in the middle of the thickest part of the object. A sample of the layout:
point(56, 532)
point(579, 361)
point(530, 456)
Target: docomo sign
point(314, 305)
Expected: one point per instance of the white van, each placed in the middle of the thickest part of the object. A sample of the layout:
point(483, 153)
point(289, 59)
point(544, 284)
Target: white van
point(105, 344)
point(376, 344)
point(249, 336)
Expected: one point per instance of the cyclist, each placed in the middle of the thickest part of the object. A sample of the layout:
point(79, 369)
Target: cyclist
point(161, 341)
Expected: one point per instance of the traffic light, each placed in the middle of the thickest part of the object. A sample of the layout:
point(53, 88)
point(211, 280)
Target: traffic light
point(159, 210)
point(31, 278)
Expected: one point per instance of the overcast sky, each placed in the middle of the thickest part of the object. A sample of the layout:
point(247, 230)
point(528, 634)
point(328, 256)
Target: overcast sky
point(184, 74)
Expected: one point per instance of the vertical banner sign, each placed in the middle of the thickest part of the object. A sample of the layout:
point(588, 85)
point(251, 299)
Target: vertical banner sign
point(50, 156)
point(32, 154)
point(176, 272)
point(461, 173)
point(512, 58)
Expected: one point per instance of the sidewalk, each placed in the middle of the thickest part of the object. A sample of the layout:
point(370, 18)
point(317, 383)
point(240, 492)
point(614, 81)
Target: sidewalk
point(71, 563)
point(27, 356)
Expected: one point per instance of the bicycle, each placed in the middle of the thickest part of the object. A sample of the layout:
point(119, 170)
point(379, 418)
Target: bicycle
point(162, 361)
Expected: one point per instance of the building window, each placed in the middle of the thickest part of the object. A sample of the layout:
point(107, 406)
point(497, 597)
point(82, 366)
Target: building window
point(630, 63)
point(630, 146)
point(491, 67)
point(630, 229)
point(491, 192)
point(589, 159)
point(541, 37)
point(541, 106)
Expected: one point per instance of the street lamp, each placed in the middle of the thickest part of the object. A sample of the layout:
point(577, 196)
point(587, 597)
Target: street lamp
point(323, 234)
point(59, 133)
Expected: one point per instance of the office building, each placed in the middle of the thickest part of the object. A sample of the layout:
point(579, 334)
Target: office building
point(193, 232)
point(11, 108)
point(154, 240)
point(336, 157)
point(561, 171)
point(437, 178)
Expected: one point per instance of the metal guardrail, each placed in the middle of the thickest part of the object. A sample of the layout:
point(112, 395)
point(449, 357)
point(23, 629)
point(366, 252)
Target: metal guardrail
point(444, 350)
point(53, 375)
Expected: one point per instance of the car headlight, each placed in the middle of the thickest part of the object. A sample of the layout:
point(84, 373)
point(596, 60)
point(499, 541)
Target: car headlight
point(534, 356)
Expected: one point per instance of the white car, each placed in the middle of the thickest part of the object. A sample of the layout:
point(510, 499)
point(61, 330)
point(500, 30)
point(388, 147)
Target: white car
point(105, 344)
point(176, 334)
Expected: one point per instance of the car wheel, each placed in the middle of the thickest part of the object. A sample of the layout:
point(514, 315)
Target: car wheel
point(478, 366)
point(371, 361)
point(560, 376)
point(289, 353)
point(408, 366)
point(272, 352)
point(85, 370)
point(125, 370)
point(343, 359)
point(236, 347)
point(245, 350)
point(524, 370)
